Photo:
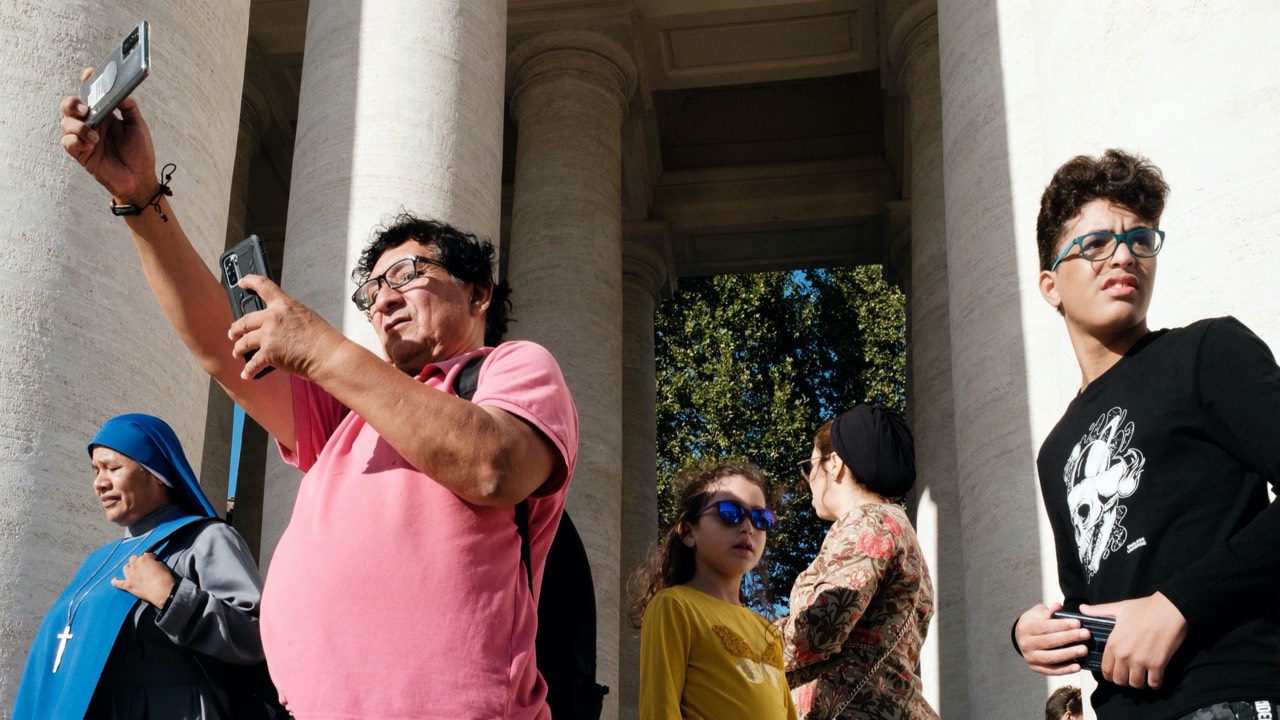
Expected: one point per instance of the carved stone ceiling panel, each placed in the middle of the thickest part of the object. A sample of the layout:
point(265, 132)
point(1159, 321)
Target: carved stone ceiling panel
point(724, 42)
point(760, 133)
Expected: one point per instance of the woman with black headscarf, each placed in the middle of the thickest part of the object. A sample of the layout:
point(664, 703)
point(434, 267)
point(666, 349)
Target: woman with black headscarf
point(149, 621)
point(859, 613)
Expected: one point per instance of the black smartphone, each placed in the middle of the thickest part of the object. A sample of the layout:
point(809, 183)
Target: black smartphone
point(1099, 630)
point(247, 258)
point(117, 76)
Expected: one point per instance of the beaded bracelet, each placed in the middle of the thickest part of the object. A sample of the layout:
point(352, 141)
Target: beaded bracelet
point(166, 171)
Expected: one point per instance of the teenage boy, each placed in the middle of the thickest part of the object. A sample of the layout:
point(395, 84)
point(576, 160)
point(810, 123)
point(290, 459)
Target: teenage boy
point(1155, 478)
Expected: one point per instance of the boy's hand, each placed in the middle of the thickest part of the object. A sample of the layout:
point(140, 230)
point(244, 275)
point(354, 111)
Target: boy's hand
point(1050, 646)
point(1148, 631)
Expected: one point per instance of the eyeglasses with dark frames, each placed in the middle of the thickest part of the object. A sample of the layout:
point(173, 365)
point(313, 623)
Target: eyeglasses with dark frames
point(1143, 242)
point(806, 467)
point(731, 513)
point(399, 274)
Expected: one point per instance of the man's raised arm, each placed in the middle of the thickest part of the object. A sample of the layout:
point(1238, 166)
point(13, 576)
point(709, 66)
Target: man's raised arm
point(120, 156)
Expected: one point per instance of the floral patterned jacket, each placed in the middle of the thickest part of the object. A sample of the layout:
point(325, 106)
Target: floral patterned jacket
point(867, 595)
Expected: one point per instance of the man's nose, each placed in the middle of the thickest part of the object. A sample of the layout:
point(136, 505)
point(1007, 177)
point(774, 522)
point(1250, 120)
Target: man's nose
point(1122, 257)
point(387, 299)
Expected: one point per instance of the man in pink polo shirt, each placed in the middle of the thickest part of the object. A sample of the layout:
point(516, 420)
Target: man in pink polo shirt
point(397, 590)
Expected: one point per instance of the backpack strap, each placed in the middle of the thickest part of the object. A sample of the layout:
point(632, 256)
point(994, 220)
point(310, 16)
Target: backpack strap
point(522, 527)
point(465, 384)
point(468, 378)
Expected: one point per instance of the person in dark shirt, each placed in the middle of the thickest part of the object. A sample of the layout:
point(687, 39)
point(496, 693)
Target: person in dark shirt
point(1155, 479)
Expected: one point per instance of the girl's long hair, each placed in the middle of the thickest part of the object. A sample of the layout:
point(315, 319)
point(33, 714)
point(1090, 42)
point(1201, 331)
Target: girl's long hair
point(671, 562)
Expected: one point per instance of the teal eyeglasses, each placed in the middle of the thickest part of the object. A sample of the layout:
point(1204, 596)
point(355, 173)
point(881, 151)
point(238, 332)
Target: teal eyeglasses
point(1143, 242)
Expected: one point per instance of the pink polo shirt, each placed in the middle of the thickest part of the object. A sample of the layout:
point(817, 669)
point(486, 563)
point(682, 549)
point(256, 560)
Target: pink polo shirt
point(389, 597)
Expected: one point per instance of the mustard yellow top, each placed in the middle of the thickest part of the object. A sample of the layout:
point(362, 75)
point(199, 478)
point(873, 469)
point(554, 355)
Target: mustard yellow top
point(702, 658)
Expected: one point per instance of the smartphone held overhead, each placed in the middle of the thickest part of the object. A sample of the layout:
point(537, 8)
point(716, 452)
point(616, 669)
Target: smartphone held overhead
point(118, 75)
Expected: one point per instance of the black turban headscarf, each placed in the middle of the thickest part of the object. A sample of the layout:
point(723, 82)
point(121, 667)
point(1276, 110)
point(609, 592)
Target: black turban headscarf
point(876, 444)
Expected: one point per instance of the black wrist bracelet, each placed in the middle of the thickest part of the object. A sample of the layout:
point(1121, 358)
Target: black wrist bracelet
point(162, 191)
point(169, 600)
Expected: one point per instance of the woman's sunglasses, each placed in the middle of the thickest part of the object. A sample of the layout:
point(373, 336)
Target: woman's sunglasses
point(732, 513)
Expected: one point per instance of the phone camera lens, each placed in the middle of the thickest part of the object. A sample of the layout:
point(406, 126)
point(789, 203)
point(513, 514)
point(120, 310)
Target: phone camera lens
point(129, 43)
point(230, 269)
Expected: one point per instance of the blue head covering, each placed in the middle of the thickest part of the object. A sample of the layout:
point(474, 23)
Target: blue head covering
point(149, 440)
point(65, 692)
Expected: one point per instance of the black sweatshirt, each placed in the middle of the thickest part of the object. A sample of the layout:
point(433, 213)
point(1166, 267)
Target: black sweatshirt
point(1155, 480)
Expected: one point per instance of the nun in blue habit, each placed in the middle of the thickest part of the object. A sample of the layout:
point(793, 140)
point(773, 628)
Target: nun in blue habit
point(144, 626)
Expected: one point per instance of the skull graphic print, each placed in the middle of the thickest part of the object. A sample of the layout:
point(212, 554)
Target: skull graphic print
point(1101, 470)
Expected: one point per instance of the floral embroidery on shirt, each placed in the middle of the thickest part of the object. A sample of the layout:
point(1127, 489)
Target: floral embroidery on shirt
point(755, 666)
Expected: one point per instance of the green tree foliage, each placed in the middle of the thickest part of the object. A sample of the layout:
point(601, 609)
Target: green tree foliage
point(750, 365)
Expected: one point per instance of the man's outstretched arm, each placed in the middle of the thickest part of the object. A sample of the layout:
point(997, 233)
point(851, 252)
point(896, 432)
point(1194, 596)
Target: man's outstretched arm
point(120, 156)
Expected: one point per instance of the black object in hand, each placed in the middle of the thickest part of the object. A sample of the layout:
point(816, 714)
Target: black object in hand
point(1099, 630)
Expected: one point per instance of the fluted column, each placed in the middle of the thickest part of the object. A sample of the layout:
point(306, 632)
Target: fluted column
point(80, 337)
point(987, 233)
point(913, 48)
point(400, 107)
point(568, 95)
point(646, 279)
point(255, 120)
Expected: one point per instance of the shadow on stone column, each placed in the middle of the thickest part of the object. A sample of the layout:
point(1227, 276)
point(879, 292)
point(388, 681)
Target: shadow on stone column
point(646, 279)
point(998, 508)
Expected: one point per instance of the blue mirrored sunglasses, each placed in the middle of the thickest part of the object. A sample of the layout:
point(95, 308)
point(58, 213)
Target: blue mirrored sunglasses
point(732, 513)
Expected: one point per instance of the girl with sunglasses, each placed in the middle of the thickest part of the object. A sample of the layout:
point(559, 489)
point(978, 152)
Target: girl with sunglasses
point(702, 653)
point(859, 612)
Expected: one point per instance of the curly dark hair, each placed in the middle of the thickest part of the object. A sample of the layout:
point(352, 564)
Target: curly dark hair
point(1124, 179)
point(467, 257)
point(672, 562)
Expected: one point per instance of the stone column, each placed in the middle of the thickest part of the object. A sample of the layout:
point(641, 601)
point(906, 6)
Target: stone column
point(255, 120)
point(80, 337)
point(995, 456)
point(401, 106)
point(646, 279)
point(569, 94)
point(913, 51)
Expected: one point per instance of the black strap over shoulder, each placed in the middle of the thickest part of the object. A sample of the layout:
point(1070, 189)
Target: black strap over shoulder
point(522, 527)
point(468, 378)
point(465, 384)
point(566, 641)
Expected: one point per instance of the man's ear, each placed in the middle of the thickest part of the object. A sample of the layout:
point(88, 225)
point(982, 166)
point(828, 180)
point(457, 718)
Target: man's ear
point(481, 295)
point(1049, 289)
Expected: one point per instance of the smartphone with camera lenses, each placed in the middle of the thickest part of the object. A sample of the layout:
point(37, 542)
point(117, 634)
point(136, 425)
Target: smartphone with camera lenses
point(117, 76)
point(248, 257)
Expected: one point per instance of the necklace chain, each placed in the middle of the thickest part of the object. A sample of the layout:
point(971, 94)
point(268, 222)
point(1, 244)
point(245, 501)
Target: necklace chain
point(74, 603)
point(87, 587)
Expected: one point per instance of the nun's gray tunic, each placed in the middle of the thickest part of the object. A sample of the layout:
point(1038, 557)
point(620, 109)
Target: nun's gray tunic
point(167, 666)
